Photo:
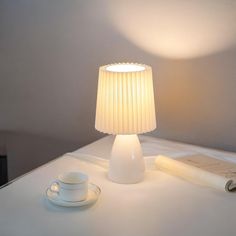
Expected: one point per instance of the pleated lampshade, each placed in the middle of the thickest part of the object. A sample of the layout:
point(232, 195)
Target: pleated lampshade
point(125, 99)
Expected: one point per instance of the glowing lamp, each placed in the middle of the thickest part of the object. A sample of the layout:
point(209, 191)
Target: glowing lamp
point(125, 108)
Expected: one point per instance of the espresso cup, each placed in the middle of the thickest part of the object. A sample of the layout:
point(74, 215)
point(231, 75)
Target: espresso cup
point(71, 186)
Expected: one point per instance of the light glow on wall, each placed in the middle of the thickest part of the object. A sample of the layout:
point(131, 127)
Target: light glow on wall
point(176, 28)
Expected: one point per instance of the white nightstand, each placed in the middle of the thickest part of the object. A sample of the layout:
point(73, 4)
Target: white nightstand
point(160, 205)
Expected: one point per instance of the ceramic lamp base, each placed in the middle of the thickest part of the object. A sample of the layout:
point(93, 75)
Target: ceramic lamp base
point(126, 163)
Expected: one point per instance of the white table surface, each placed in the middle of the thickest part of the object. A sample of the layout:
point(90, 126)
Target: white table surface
point(160, 205)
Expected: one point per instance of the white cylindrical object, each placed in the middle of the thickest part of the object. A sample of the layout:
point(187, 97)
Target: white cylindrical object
point(126, 163)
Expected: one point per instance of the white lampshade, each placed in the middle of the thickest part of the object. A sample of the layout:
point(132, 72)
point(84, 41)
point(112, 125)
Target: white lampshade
point(125, 99)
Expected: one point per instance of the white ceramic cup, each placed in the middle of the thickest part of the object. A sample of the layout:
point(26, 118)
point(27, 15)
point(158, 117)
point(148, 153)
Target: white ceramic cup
point(71, 186)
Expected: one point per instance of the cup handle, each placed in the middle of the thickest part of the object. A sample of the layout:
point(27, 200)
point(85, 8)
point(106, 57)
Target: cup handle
point(55, 186)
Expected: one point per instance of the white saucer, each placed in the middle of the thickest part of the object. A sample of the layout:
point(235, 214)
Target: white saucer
point(93, 194)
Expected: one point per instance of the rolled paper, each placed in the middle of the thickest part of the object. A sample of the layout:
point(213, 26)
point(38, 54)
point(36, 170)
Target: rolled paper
point(194, 174)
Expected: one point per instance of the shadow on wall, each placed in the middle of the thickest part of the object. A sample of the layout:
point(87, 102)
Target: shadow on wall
point(27, 151)
point(51, 51)
point(196, 100)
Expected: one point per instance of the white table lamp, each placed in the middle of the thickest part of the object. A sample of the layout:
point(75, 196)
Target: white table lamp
point(125, 108)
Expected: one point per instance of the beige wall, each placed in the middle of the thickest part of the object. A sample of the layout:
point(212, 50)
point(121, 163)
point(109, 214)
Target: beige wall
point(50, 51)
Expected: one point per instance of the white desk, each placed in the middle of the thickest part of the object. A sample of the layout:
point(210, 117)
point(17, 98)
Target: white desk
point(160, 205)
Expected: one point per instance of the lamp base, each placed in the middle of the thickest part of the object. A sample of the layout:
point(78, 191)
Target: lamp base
point(126, 163)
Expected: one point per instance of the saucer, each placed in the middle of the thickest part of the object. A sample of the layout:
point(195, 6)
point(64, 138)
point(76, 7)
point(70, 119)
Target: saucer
point(93, 194)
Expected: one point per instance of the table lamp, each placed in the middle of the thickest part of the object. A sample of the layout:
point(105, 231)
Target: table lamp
point(125, 108)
